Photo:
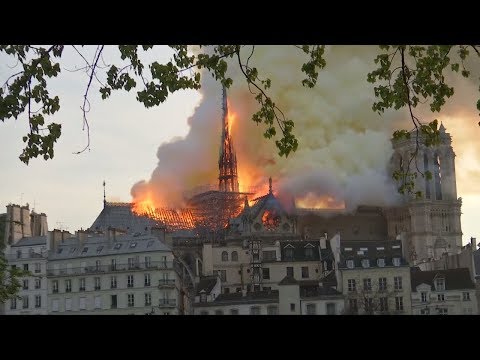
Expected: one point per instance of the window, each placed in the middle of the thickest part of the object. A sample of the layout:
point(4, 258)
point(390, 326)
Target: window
point(350, 264)
point(147, 280)
point(13, 303)
point(38, 267)
point(130, 281)
point(25, 302)
point(82, 304)
point(133, 244)
point(290, 271)
point(424, 297)
point(82, 285)
point(238, 289)
point(443, 311)
point(218, 312)
point(289, 254)
point(84, 251)
point(131, 300)
point(234, 312)
point(369, 305)
point(304, 272)
point(55, 305)
point(266, 273)
point(117, 246)
point(399, 303)
point(223, 275)
point(224, 256)
point(381, 262)
point(97, 265)
point(267, 288)
point(272, 310)
point(269, 255)
point(38, 283)
point(367, 284)
point(353, 305)
point(113, 282)
point(148, 261)
point(396, 261)
point(68, 285)
point(113, 301)
point(331, 309)
point(365, 263)
point(397, 283)
point(352, 285)
point(98, 302)
point(148, 299)
point(234, 256)
point(383, 302)
point(19, 254)
point(466, 296)
point(97, 283)
point(440, 284)
point(226, 290)
point(113, 265)
point(68, 304)
point(254, 310)
point(131, 263)
point(311, 309)
point(150, 243)
point(55, 286)
point(309, 253)
point(99, 249)
point(203, 297)
point(425, 312)
point(292, 307)
point(382, 284)
point(441, 297)
point(25, 284)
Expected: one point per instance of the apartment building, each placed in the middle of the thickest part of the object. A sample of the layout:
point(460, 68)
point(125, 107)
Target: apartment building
point(113, 273)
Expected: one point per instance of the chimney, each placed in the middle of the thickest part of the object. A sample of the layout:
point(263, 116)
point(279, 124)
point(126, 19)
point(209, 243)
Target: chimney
point(473, 243)
point(66, 235)
point(54, 238)
point(158, 232)
point(82, 237)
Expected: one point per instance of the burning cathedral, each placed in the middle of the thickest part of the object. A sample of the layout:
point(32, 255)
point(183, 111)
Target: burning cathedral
point(221, 213)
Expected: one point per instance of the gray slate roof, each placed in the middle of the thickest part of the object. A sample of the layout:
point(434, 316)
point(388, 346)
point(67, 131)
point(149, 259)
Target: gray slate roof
point(476, 262)
point(206, 284)
point(238, 298)
point(455, 279)
point(100, 246)
point(372, 250)
point(31, 241)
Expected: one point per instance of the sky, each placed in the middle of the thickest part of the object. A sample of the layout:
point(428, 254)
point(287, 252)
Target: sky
point(125, 138)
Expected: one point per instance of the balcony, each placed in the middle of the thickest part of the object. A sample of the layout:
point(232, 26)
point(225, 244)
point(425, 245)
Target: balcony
point(153, 265)
point(163, 283)
point(167, 303)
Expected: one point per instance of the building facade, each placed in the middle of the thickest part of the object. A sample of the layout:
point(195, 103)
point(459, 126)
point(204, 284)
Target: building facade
point(443, 292)
point(112, 274)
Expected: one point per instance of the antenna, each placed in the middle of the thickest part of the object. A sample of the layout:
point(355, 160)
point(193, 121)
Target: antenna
point(104, 195)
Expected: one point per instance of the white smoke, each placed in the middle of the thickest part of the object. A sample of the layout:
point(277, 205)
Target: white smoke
point(344, 147)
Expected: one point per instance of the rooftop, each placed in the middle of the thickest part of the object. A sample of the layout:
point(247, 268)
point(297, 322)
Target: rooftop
point(31, 241)
point(455, 279)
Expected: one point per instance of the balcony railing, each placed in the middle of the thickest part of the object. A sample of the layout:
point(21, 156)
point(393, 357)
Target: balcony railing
point(167, 302)
point(166, 283)
point(153, 265)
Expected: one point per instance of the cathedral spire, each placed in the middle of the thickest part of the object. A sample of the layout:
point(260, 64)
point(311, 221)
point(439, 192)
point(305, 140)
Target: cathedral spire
point(227, 162)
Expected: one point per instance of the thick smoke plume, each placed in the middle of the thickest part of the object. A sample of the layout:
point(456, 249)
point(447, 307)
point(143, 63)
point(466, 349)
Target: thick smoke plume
point(344, 147)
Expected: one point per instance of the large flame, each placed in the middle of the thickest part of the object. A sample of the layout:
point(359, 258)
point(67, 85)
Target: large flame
point(144, 206)
point(313, 201)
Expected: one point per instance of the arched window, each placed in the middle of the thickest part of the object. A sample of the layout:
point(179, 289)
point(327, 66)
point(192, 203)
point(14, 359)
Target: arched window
point(438, 176)
point(234, 256)
point(427, 182)
point(224, 256)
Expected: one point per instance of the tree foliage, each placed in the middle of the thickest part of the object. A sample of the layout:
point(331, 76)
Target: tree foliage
point(9, 280)
point(406, 76)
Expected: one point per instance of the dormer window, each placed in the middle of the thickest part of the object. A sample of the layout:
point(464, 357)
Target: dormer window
point(289, 254)
point(440, 284)
point(350, 264)
point(396, 261)
point(203, 297)
point(381, 262)
point(309, 253)
point(366, 263)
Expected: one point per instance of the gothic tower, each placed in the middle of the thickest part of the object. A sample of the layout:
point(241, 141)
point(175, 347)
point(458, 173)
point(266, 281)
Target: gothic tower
point(227, 163)
point(431, 224)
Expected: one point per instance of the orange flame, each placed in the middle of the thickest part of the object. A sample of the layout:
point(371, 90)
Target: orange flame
point(231, 116)
point(144, 206)
point(312, 201)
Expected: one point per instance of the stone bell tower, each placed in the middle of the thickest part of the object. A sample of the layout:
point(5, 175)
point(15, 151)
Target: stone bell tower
point(431, 225)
